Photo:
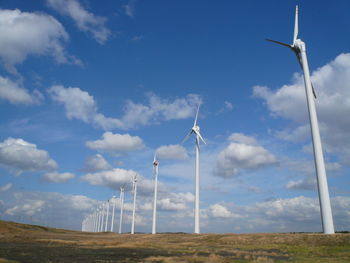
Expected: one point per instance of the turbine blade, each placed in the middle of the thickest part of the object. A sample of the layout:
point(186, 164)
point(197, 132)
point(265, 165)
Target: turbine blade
point(298, 58)
point(195, 120)
point(296, 26)
point(313, 90)
point(280, 43)
point(187, 137)
point(155, 157)
point(200, 137)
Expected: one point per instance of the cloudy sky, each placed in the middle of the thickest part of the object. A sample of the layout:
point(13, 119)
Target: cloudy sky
point(88, 93)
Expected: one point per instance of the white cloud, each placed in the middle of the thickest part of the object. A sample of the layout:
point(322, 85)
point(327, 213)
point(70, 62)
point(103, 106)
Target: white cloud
point(55, 177)
point(23, 34)
point(50, 209)
point(242, 155)
point(332, 85)
point(29, 208)
point(305, 184)
point(5, 188)
point(96, 163)
point(172, 152)
point(171, 202)
point(241, 138)
point(228, 105)
point(24, 156)
point(81, 105)
point(116, 143)
point(218, 210)
point(14, 93)
point(130, 8)
point(159, 109)
point(84, 20)
point(113, 178)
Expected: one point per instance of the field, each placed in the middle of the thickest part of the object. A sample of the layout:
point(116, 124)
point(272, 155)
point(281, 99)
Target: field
point(29, 243)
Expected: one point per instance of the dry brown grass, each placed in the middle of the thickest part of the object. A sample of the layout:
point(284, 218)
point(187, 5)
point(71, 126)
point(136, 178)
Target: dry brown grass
point(26, 243)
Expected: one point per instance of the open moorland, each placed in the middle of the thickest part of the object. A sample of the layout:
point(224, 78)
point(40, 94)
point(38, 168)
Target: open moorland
point(30, 243)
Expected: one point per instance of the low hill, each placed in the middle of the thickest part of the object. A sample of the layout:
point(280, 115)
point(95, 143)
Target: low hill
point(37, 244)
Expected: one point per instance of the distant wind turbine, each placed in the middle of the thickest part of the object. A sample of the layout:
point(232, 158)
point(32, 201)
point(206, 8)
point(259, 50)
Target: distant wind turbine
point(103, 216)
point(112, 222)
point(134, 187)
point(299, 48)
point(155, 173)
point(107, 209)
point(195, 129)
point(121, 208)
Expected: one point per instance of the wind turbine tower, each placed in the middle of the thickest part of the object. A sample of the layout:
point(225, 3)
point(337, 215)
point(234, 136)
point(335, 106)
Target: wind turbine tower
point(196, 130)
point(155, 173)
point(121, 208)
point(299, 48)
point(134, 187)
point(113, 201)
point(107, 208)
point(103, 216)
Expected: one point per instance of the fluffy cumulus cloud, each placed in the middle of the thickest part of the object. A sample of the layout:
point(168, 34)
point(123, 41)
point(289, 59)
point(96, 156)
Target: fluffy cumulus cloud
point(81, 105)
point(5, 187)
point(52, 209)
point(29, 208)
point(15, 94)
point(242, 154)
point(23, 34)
point(23, 156)
point(220, 211)
point(116, 143)
point(332, 85)
point(84, 20)
point(115, 178)
point(172, 152)
point(96, 163)
point(55, 177)
point(112, 178)
point(171, 202)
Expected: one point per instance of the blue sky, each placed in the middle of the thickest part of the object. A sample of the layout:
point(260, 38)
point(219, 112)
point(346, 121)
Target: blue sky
point(88, 93)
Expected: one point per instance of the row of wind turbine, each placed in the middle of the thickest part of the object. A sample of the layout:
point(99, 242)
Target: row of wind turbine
point(299, 49)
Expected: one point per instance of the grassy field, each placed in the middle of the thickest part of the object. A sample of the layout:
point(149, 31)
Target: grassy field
point(29, 243)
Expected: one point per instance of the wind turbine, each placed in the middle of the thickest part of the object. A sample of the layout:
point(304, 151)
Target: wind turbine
point(155, 173)
point(134, 187)
point(99, 219)
point(112, 222)
point(195, 129)
point(103, 216)
point(107, 208)
point(299, 48)
point(121, 208)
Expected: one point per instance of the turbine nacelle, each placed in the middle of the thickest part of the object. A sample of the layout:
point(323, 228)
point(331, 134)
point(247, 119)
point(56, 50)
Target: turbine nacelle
point(298, 45)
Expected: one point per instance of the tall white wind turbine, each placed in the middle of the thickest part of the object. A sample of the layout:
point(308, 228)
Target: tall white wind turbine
point(134, 187)
point(113, 205)
point(196, 130)
point(155, 173)
point(299, 48)
point(121, 208)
